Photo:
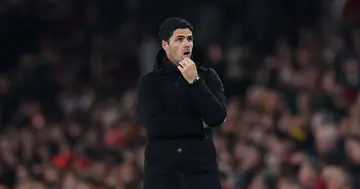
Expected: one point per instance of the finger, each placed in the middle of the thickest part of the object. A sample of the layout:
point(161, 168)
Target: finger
point(189, 62)
point(182, 64)
point(186, 62)
point(180, 68)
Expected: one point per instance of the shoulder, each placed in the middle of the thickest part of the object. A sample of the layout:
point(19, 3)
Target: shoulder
point(147, 76)
point(212, 79)
point(152, 75)
point(211, 73)
point(147, 79)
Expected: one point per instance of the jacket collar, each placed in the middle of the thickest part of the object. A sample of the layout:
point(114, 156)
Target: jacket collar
point(163, 65)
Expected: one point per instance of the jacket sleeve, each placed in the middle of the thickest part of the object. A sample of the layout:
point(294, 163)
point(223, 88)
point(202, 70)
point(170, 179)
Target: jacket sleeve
point(158, 122)
point(210, 99)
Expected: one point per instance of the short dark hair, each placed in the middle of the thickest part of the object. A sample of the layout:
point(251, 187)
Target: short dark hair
point(170, 25)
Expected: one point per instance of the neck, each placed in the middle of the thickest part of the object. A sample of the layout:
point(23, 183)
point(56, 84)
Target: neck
point(168, 65)
point(171, 60)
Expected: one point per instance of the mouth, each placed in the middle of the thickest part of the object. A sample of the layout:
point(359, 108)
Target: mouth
point(187, 54)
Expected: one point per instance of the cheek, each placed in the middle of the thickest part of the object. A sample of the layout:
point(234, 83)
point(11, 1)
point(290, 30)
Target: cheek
point(174, 50)
point(191, 46)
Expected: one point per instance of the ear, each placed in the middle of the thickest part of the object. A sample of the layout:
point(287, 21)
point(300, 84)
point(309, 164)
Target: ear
point(165, 45)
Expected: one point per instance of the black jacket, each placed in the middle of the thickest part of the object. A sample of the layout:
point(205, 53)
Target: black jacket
point(174, 113)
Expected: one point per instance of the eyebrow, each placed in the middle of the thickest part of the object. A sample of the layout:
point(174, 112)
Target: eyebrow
point(181, 36)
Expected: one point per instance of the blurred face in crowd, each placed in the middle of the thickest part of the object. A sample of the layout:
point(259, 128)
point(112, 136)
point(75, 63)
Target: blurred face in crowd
point(351, 66)
point(307, 175)
point(279, 148)
point(220, 144)
point(51, 175)
point(335, 178)
point(99, 169)
point(22, 174)
point(325, 138)
point(303, 58)
point(4, 84)
point(328, 81)
point(352, 148)
point(251, 157)
point(287, 184)
point(258, 183)
point(303, 102)
point(257, 135)
point(215, 53)
point(127, 172)
point(233, 109)
point(179, 46)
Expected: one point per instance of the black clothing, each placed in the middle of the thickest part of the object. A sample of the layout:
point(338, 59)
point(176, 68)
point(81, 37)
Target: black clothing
point(207, 180)
point(174, 112)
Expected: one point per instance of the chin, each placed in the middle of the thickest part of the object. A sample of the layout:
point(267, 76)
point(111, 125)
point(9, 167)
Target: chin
point(185, 56)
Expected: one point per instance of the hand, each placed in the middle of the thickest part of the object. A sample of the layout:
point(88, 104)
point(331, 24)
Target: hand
point(188, 69)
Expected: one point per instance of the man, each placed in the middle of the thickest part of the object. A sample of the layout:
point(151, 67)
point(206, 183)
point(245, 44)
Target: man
point(179, 101)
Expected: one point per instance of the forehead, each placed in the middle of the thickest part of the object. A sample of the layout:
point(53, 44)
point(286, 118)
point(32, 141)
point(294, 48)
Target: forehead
point(182, 32)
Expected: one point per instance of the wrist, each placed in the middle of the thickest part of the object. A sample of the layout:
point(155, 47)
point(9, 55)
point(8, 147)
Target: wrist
point(194, 80)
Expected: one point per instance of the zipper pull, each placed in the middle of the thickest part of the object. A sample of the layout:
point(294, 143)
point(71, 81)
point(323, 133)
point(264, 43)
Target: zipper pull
point(206, 136)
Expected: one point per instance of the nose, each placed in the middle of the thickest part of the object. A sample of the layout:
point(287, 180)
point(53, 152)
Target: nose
point(188, 43)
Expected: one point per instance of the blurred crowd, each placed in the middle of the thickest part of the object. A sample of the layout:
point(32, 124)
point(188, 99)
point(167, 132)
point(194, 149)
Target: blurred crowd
point(69, 71)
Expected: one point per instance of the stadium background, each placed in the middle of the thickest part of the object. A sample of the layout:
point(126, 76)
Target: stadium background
point(69, 70)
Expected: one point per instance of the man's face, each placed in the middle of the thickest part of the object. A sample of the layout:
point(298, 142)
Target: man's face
point(180, 45)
